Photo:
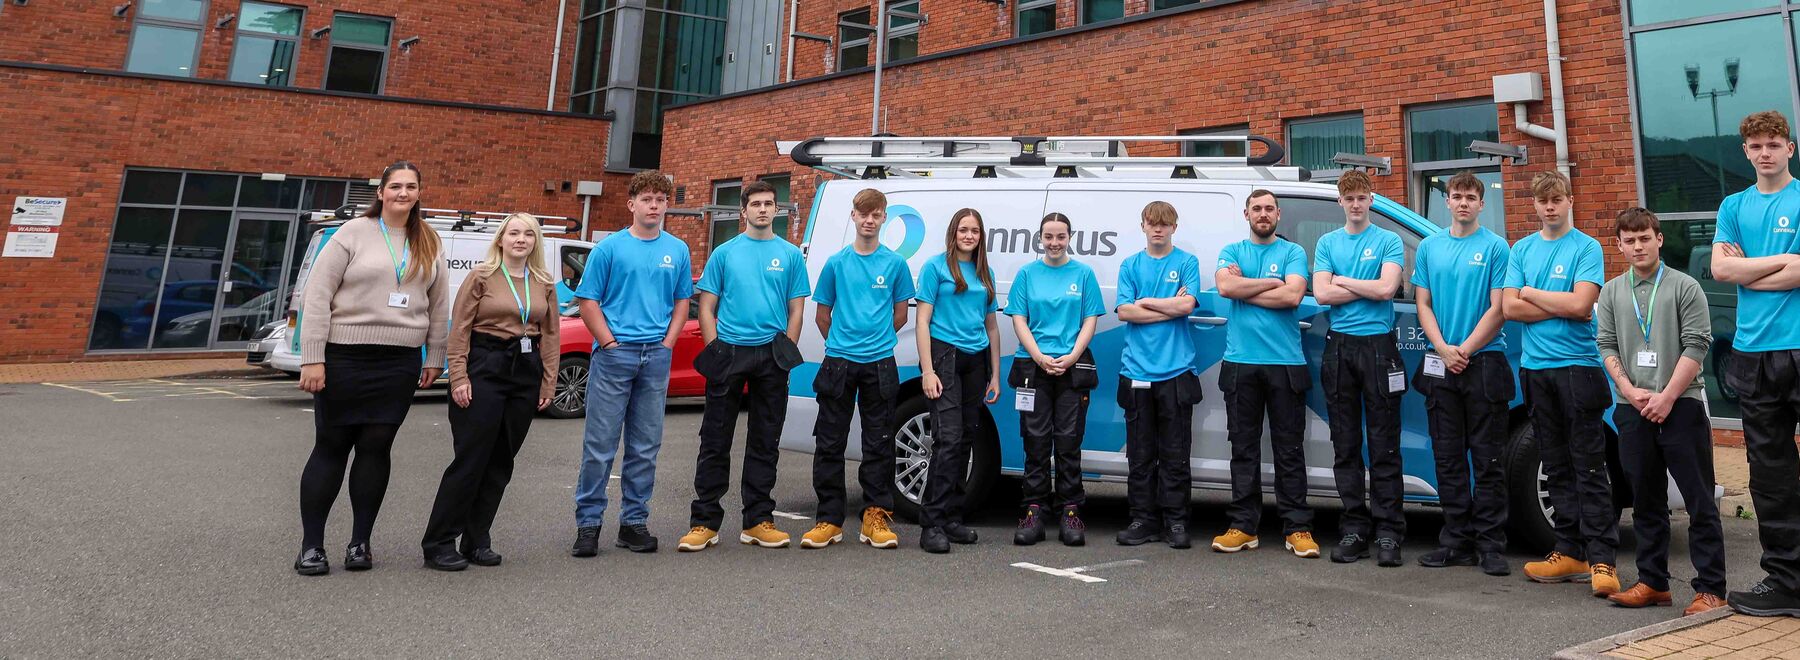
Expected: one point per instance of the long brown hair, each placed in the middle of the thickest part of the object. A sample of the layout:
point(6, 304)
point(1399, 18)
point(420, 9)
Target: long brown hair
point(421, 238)
point(979, 258)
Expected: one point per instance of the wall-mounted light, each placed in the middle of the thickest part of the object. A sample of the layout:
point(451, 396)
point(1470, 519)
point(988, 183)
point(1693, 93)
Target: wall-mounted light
point(321, 32)
point(120, 10)
point(224, 21)
point(407, 43)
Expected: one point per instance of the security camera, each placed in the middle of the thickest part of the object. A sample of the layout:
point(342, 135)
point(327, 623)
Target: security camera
point(224, 21)
point(1378, 165)
point(321, 32)
point(1504, 152)
point(120, 10)
point(407, 43)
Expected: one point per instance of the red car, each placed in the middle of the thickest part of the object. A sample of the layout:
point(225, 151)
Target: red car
point(578, 344)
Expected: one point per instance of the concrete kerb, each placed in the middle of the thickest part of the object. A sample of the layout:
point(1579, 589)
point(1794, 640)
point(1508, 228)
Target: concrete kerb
point(1597, 649)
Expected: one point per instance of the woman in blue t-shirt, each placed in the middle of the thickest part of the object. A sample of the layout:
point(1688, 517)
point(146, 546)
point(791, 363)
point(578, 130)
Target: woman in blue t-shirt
point(957, 333)
point(1054, 303)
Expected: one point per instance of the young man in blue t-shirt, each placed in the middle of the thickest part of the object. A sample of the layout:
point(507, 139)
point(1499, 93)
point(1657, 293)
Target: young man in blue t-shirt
point(1264, 372)
point(1459, 278)
point(634, 300)
point(1553, 277)
point(1157, 384)
point(1356, 270)
point(1757, 248)
point(751, 294)
point(862, 296)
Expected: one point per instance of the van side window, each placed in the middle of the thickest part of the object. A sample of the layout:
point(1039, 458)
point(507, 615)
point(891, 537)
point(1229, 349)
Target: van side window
point(1305, 220)
point(571, 261)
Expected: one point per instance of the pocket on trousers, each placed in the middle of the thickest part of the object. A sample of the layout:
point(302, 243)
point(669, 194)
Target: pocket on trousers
point(943, 359)
point(714, 361)
point(1228, 377)
point(887, 378)
point(1424, 384)
point(1084, 376)
point(1125, 397)
point(829, 383)
point(1591, 390)
point(1187, 389)
point(1020, 372)
point(1298, 378)
point(787, 355)
point(1497, 384)
point(1742, 372)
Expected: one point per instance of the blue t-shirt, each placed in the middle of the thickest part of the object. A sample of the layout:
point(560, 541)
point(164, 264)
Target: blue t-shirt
point(1256, 334)
point(1054, 301)
point(754, 280)
point(958, 319)
point(1556, 266)
point(1164, 349)
point(1762, 226)
point(1462, 274)
point(862, 291)
point(637, 283)
point(1360, 256)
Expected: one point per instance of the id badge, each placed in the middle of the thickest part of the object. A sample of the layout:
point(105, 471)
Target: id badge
point(1396, 381)
point(524, 344)
point(1025, 400)
point(398, 300)
point(1646, 359)
point(1140, 384)
point(1434, 366)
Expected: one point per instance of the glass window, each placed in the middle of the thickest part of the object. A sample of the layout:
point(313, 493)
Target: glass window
point(1645, 12)
point(175, 10)
point(191, 279)
point(209, 190)
point(1445, 133)
point(163, 50)
point(1234, 149)
point(681, 53)
point(1312, 142)
point(592, 62)
point(1094, 11)
point(902, 32)
point(323, 195)
point(1694, 84)
point(358, 59)
point(853, 32)
point(257, 193)
point(782, 184)
point(1493, 204)
point(1305, 220)
point(134, 268)
point(267, 39)
point(1165, 4)
point(646, 132)
point(1036, 17)
point(1687, 247)
point(151, 187)
point(270, 19)
point(728, 193)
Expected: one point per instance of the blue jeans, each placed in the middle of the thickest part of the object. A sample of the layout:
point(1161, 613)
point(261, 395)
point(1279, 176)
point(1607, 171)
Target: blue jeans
point(625, 392)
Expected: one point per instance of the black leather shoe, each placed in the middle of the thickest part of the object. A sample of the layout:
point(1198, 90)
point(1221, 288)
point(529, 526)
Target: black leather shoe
point(1387, 552)
point(1764, 599)
point(1349, 549)
point(1494, 564)
point(482, 557)
point(587, 542)
point(636, 538)
point(1031, 527)
point(1138, 533)
point(934, 541)
point(1443, 557)
point(357, 557)
point(1176, 535)
point(312, 561)
point(445, 560)
point(1073, 531)
point(960, 534)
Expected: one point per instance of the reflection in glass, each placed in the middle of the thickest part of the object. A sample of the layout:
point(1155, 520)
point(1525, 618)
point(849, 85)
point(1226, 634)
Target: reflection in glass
point(134, 270)
point(1311, 144)
point(254, 298)
point(209, 190)
point(359, 30)
point(1645, 12)
point(273, 19)
point(258, 193)
point(1037, 20)
point(1493, 200)
point(191, 279)
point(682, 53)
point(180, 10)
point(1687, 247)
point(162, 50)
point(263, 61)
point(1445, 133)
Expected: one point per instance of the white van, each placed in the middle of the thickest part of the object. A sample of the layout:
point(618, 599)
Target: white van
point(1014, 182)
point(466, 235)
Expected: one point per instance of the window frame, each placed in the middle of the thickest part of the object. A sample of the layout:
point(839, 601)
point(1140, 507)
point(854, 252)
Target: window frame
point(198, 27)
point(1417, 171)
point(1081, 17)
point(1022, 6)
point(1228, 129)
point(236, 40)
point(913, 30)
point(386, 51)
point(867, 40)
point(1287, 134)
point(1409, 244)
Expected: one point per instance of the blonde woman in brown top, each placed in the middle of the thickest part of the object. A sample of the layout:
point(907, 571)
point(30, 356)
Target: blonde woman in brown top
point(503, 355)
point(375, 300)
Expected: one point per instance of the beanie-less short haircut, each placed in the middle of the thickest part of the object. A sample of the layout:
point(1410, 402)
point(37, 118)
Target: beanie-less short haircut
point(869, 201)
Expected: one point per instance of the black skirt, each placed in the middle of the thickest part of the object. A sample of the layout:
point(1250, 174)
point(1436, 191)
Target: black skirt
point(367, 384)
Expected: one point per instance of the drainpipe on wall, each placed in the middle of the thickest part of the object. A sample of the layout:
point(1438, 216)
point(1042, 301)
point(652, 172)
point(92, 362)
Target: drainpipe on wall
point(562, 10)
point(1559, 130)
point(793, 10)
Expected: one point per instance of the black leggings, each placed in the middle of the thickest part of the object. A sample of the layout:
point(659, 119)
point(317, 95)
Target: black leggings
point(324, 474)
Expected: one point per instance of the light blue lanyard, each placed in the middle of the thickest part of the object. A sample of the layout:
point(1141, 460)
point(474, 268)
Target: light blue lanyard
point(524, 305)
point(398, 261)
point(1643, 317)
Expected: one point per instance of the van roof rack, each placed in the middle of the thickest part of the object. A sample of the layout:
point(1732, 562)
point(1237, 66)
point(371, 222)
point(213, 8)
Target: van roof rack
point(1034, 156)
point(451, 219)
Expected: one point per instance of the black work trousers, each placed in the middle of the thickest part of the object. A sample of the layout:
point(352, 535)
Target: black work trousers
point(1359, 374)
point(843, 387)
point(1768, 387)
point(1567, 410)
point(739, 378)
point(1252, 391)
point(1467, 416)
point(504, 385)
point(1159, 427)
point(1679, 448)
point(956, 418)
point(1053, 430)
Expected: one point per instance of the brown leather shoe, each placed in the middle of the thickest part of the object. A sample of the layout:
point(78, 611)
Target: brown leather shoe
point(1703, 603)
point(1640, 595)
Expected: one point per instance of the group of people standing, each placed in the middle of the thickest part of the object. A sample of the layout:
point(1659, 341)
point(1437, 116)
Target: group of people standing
point(1647, 331)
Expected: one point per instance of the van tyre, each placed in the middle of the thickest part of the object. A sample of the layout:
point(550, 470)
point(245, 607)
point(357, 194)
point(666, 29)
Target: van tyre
point(570, 400)
point(1528, 501)
point(912, 449)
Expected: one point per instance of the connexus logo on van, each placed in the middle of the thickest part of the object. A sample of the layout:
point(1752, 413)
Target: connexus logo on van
point(912, 228)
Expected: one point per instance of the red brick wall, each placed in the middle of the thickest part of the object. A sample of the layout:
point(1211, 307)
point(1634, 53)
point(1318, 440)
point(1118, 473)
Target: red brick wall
point(1260, 63)
point(495, 52)
point(88, 128)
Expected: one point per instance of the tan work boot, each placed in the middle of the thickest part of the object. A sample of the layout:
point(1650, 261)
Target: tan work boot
point(1558, 567)
point(1605, 580)
point(875, 529)
point(765, 535)
point(1303, 545)
point(1234, 540)
point(697, 539)
point(822, 534)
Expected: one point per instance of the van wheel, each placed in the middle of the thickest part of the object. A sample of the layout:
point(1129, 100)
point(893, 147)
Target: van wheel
point(1529, 493)
point(571, 389)
point(912, 461)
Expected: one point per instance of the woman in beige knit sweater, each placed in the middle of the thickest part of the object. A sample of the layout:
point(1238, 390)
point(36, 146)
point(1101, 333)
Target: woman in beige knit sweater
point(504, 350)
point(375, 296)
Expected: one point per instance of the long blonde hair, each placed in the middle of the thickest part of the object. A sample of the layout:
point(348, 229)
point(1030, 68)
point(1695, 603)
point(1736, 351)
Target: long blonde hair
point(534, 261)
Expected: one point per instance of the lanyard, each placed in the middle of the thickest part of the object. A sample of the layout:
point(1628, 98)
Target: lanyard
point(1643, 315)
point(398, 261)
point(525, 305)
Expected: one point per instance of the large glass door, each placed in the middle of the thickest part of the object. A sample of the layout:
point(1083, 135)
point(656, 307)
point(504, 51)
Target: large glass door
point(250, 291)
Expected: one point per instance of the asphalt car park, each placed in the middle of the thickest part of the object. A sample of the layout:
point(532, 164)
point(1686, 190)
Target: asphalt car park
point(159, 517)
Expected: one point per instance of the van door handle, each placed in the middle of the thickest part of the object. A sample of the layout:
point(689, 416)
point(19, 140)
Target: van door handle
point(1207, 320)
point(1306, 325)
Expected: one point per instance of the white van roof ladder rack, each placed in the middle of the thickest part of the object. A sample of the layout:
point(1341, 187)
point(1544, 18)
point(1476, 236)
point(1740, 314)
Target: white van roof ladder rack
point(1033, 156)
point(450, 219)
